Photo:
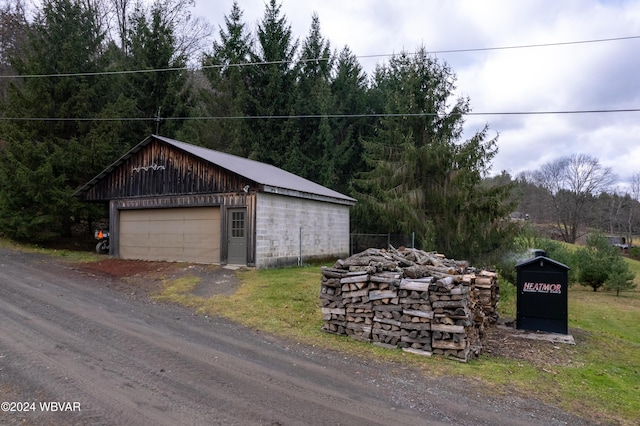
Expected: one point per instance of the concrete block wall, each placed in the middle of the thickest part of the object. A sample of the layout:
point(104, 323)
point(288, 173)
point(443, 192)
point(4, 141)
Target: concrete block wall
point(281, 221)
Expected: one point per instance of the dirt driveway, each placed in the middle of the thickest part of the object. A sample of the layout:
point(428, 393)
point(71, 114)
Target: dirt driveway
point(81, 347)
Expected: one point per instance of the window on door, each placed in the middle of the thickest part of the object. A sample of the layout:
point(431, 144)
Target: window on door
point(237, 224)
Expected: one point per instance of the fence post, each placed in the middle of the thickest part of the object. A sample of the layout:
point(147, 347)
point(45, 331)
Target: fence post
point(300, 255)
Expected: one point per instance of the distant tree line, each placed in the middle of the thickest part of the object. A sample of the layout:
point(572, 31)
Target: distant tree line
point(574, 195)
point(81, 82)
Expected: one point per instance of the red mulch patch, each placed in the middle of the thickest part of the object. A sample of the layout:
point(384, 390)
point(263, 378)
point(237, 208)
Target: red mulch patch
point(121, 268)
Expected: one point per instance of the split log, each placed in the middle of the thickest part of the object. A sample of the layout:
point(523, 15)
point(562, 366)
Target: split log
point(448, 344)
point(385, 278)
point(388, 321)
point(355, 279)
point(332, 272)
point(422, 314)
point(447, 328)
point(418, 284)
point(377, 295)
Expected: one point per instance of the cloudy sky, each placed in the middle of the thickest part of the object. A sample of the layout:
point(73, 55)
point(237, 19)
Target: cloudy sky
point(562, 78)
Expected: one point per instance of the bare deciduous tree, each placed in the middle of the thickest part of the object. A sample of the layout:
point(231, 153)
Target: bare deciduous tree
point(191, 33)
point(121, 12)
point(571, 183)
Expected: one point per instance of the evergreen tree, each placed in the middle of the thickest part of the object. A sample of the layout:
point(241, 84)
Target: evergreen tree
point(620, 277)
point(310, 153)
point(46, 154)
point(422, 178)
point(227, 94)
point(13, 34)
point(272, 81)
point(162, 92)
point(601, 264)
point(349, 89)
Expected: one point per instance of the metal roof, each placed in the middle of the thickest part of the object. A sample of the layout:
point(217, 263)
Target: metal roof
point(540, 259)
point(273, 179)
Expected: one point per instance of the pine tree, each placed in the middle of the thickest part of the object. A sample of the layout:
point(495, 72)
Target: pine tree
point(163, 92)
point(422, 177)
point(227, 95)
point(46, 154)
point(601, 264)
point(349, 127)
point(620, 277)
point(13, 35)
point(310, 153)
point(272, 81)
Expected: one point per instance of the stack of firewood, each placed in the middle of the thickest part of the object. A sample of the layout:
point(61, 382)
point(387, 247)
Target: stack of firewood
point(417, 315)
point(487, 294)
point(358, 313)
point(333, 311)
point(387, 310)
point(453, 322)
point(408, 298)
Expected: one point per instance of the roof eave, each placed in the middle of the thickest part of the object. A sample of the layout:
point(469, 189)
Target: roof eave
point(540, 258)
point(347, 201)
point(84, 188)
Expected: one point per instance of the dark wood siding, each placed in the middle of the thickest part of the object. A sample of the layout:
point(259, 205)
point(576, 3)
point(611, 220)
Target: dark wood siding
point(160, 170)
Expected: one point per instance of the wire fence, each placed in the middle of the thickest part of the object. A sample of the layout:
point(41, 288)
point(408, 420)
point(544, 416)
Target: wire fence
point(361, 242)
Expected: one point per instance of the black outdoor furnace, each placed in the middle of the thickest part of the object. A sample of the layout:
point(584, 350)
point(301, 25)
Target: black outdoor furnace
point(542, 295)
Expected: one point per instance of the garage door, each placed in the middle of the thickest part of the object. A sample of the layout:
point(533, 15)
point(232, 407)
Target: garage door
point(189, 234)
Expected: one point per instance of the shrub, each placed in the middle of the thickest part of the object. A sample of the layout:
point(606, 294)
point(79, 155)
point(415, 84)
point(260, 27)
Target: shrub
point(620, 277)
point(599, 263)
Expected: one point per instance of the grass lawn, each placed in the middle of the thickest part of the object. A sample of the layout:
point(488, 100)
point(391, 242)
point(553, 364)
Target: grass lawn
point(603, 378)
point(634, 266)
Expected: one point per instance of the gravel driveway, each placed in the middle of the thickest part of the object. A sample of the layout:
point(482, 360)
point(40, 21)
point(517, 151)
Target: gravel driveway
point(76, 350)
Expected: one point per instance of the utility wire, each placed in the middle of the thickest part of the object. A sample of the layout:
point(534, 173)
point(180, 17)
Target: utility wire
point(528, 46)
point(383, 55)
point(311, 116)
point(314, 116)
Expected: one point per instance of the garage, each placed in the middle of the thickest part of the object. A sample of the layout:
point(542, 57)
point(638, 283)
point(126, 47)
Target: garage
point(170, 200)
point(178, 234)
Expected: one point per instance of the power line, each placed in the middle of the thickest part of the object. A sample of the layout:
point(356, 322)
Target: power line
point(317, 116)
point(281, 62)
point(528, 46)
